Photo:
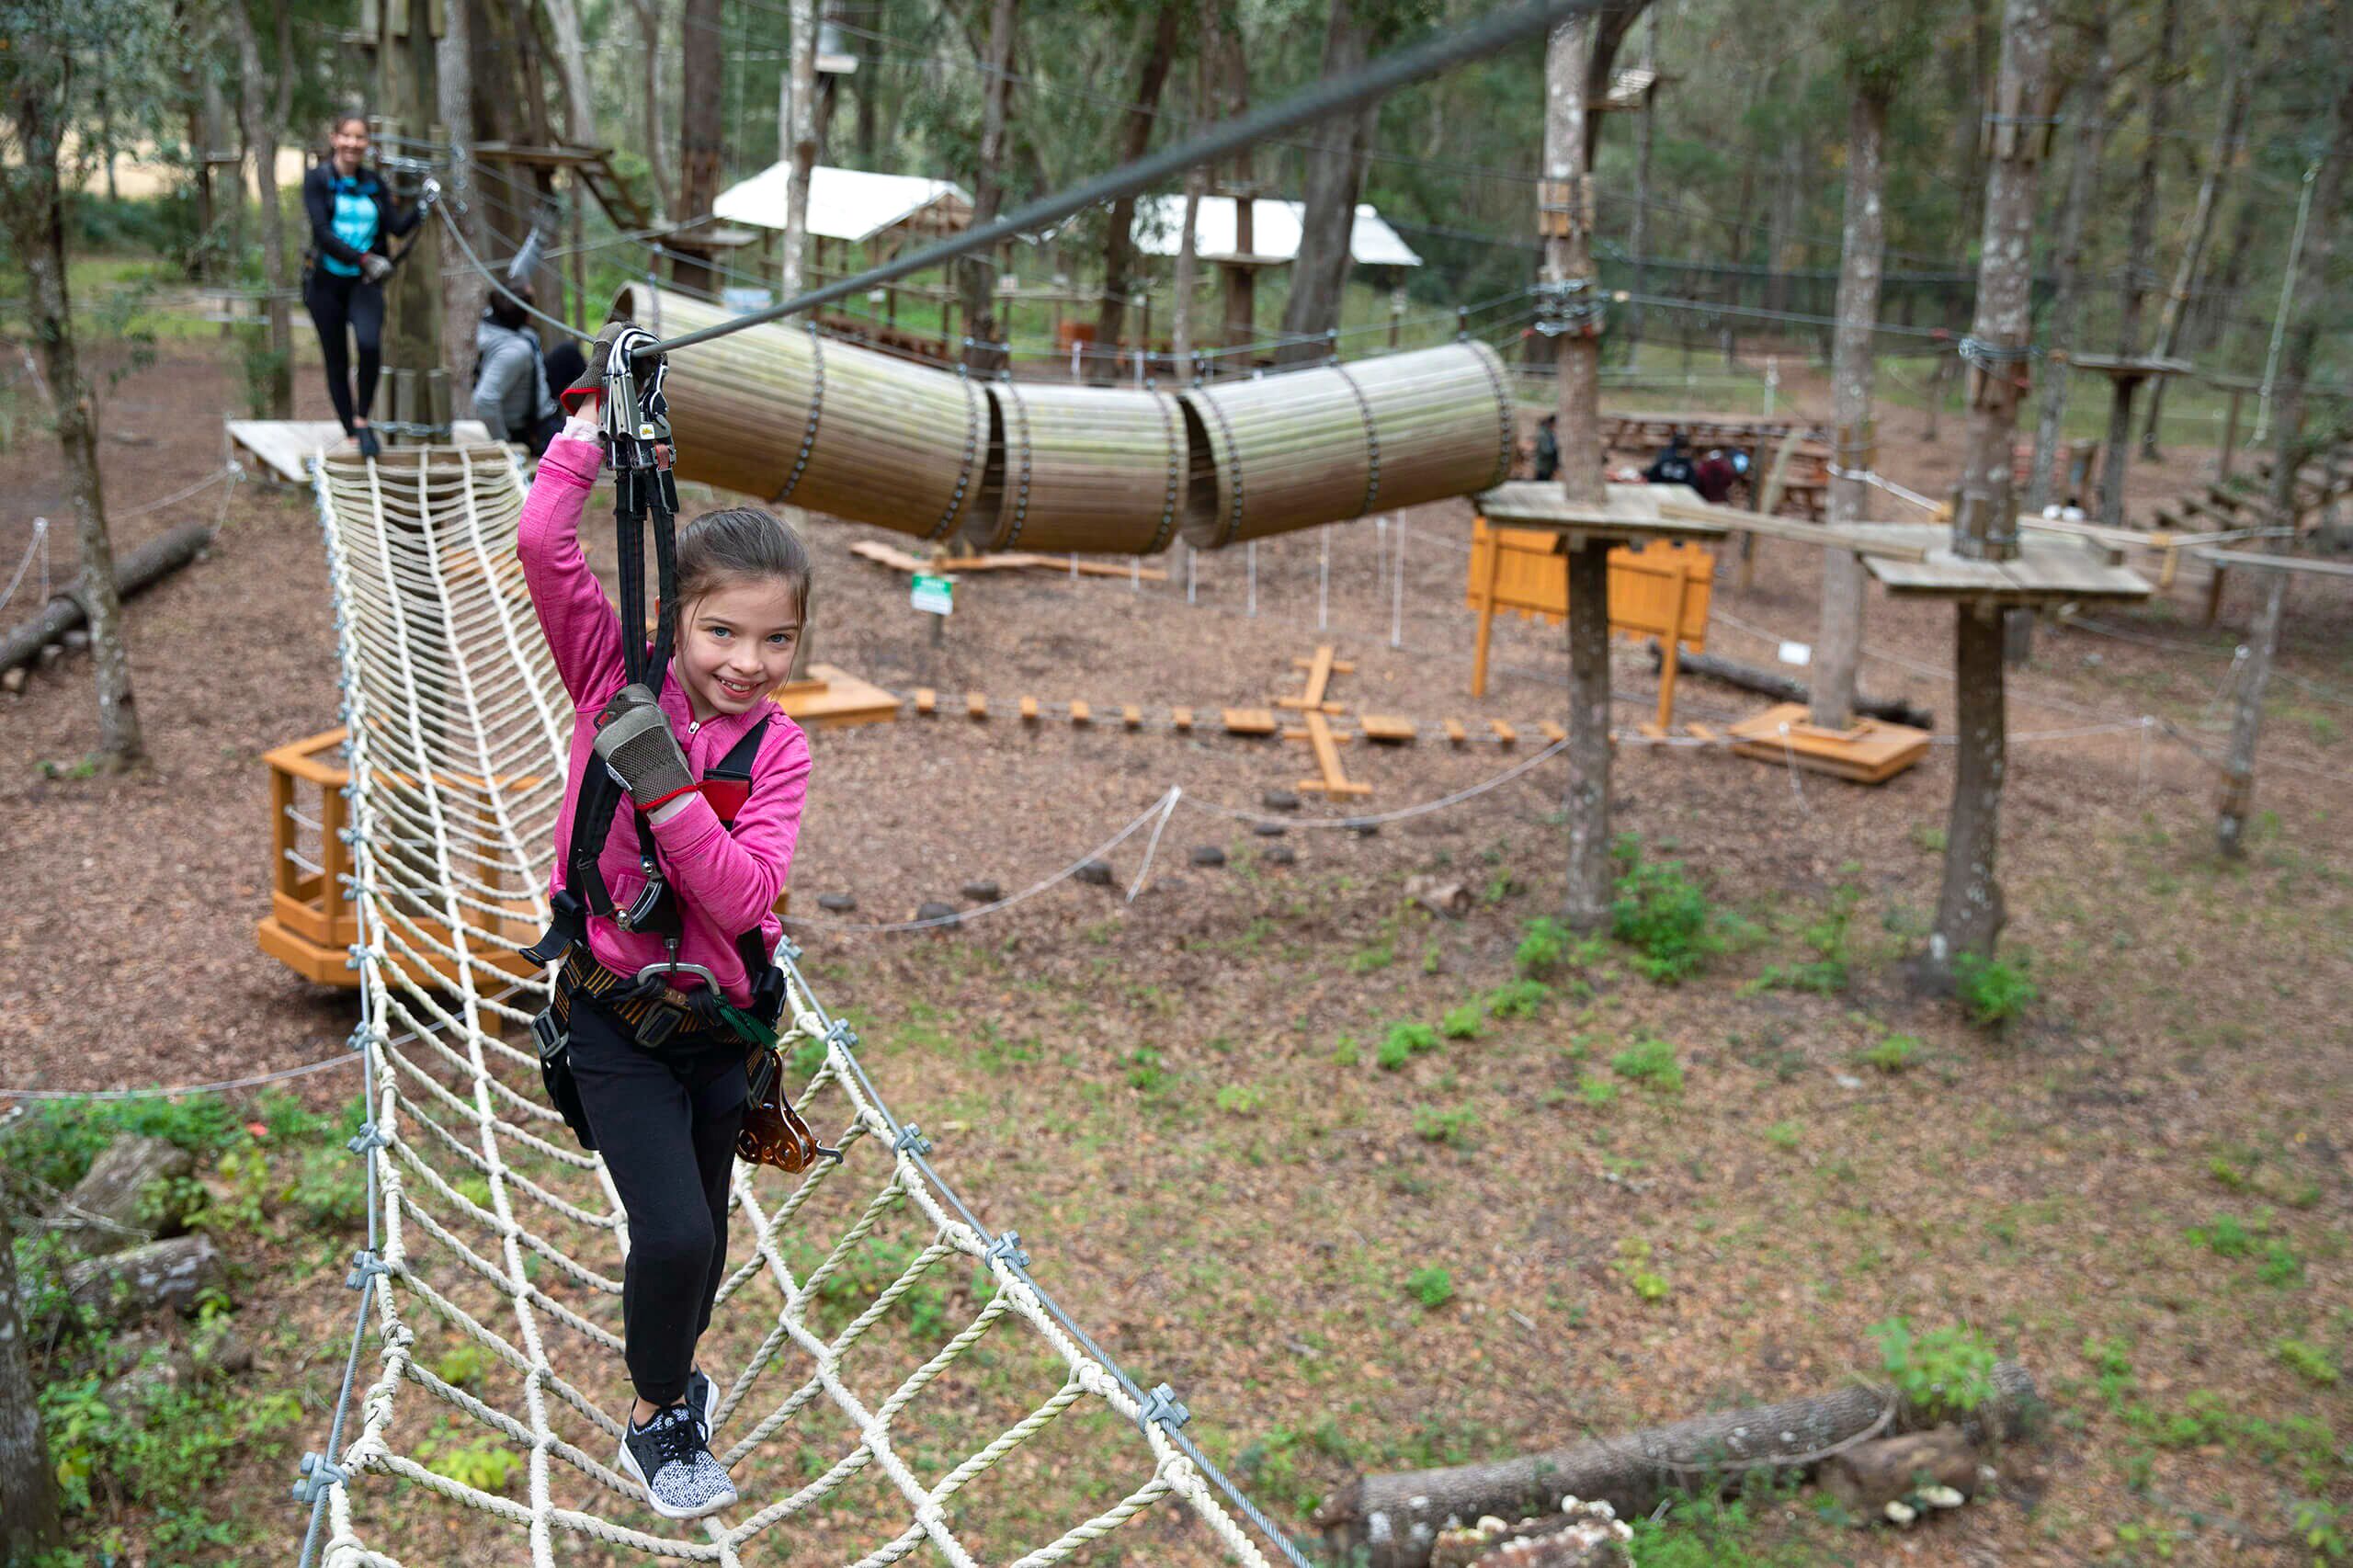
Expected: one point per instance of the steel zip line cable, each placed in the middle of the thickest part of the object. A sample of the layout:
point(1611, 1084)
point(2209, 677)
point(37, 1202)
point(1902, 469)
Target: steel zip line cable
point(1383, 75)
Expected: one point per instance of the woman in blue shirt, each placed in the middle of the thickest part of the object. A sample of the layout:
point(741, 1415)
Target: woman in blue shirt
point(353, 216)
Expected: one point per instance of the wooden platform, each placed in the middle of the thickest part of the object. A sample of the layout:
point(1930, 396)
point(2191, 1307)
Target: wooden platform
point(285, 446)
point(833, 699)
point(1870, 753)
point(1631, 513)
point(1002, 561)
point(2047, 570)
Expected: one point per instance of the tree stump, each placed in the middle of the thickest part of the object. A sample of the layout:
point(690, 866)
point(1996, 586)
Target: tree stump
point(1870, 1476)
point(143, 1279)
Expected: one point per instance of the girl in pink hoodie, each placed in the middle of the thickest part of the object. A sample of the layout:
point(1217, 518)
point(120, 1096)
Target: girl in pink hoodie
point(665, 1117)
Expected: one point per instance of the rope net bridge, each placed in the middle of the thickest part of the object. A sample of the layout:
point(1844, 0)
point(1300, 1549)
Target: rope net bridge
point(895, 1383)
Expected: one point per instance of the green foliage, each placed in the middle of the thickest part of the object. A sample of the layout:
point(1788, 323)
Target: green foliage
point(1461, 1022)
point(1892, 1054)
point(1650, 1062)
point(2323, 1525)
point(1825, 973)
point(1633, 1266)
point(56, 1140)
point(1431, 1285)
point(1240, 1099)
point(1995, 992)
point(1663, 916)
point(1704, 1529)
point(1596, 1090)
point(1452, 1127)
point(1783, 1135)
point(1544, 948)
point(463, 1364)
point(1145, 1073)
point(1345, 1053)
point(1518, 998)
point(2228, 1236)
point(1403, 1042)
point(1372, 959)
point(162, 1454)
point(483, 1462)
point(2309, 1362)
point(1949, 1370)
point(807, 1057)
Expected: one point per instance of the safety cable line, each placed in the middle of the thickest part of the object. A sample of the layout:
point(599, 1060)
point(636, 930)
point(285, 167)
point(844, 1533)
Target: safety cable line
point(1383, 75)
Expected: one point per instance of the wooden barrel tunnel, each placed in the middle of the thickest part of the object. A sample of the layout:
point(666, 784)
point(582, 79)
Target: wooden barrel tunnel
point(783, 414)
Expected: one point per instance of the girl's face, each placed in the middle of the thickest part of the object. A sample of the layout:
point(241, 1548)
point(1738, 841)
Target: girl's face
point(349, 142)
point(735, 644)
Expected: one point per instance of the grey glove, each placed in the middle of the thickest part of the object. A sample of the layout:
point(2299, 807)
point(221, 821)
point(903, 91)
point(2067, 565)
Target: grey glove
point(375, 269)
point(634, 740)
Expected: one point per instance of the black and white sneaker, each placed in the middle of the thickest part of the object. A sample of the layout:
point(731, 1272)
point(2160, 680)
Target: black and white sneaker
point(671, 1459)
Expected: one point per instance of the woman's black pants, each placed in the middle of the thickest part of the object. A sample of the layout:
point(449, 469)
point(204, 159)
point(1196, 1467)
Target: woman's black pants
point(666, 1126)
point(334, 303)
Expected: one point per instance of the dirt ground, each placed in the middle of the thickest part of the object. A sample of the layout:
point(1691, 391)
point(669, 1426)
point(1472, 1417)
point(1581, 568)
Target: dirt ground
point(1240, 1218)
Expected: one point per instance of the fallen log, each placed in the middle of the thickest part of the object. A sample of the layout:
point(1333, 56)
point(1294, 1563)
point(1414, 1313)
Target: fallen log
point(1895, 709)
point(141, 569)
point(1392, 1520)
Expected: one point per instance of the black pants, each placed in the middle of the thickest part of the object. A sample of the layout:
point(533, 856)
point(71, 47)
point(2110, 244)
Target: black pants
point(336, 302)
point(666, 1126)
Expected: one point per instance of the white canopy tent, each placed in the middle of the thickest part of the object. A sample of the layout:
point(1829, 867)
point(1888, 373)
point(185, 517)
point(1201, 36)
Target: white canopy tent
point(1274, 237)
point(849, 204)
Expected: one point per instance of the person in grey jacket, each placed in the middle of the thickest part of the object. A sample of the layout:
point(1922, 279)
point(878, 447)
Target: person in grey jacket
point(511, 395)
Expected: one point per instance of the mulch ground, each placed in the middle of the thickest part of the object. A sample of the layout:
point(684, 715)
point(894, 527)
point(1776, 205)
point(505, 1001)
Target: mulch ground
point(2038, 1186)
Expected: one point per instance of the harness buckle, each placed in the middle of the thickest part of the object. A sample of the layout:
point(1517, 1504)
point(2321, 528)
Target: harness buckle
point(642, 908)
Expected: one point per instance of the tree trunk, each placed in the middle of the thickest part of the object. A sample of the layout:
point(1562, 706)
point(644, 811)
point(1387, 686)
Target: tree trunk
point(465, 291)
point(2215, 313)
point(798, 122)
point(2221, 158)
point(703, 133)
point(1852, 365)
point(1969, 908)
point(1180, 322)
point(1240, 300)
point(2247, 719)
point(2139, 277)
point(33, 207)
point(976, 274)
point(261, 126)
point(29, 1522)
point(2313, 294)
point(572, 59)
point(2067, 262)
point(1135, 137)
point(1638, 221)
point(651, 120)
point(1319, 273)
point(1566, 217)
point(1392, 1520)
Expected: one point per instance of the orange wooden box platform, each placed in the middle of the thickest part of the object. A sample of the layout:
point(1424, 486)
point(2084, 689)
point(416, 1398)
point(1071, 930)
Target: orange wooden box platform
point(1872, 751)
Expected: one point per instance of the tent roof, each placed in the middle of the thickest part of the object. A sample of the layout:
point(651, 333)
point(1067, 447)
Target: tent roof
point(1274, 226)
point(847, 204)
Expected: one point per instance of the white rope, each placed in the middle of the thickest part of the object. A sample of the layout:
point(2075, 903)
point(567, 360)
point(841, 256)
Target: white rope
point(460, 732)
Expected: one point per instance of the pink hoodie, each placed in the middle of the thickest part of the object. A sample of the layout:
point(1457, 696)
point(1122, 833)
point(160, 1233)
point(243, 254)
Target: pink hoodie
point(725, 883)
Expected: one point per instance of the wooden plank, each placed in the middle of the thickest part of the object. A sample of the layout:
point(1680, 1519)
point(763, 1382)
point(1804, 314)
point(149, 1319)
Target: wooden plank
point(1870, 753)
point(2274, 562)
point(926, 701)
point(1079, 712)
point(1249, 720)
point(1029, 709)
point(1552, 732)
point(286, 446)
point(1455, 734)
point(1387, 727)
point(1181, 721)
point(1631, 511)
point(1319, 676)
point(1132, 716)
point(1334, 781)
point(976, 704)
point(1700, 731)
point(1504, 734)
point(889, 555)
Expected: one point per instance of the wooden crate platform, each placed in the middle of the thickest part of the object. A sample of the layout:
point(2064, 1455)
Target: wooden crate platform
point(1870, 753)
point(831, 698)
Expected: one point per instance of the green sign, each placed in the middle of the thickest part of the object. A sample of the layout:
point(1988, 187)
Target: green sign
point(933, 596)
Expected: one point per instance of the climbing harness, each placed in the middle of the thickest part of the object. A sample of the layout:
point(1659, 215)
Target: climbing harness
point(671, 1005)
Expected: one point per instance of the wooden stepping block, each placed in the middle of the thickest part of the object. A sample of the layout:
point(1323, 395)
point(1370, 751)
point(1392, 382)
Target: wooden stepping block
point(1181, 721)
point(1504, 734)
point(1552, 731)
point(1029, 709)
point(926, 701)
point(1249, 720)
point(1455, 734)
point(1080, 713)
point(1389, 728)
point(1871, 753)
point(976, 704)
point(1132, 716)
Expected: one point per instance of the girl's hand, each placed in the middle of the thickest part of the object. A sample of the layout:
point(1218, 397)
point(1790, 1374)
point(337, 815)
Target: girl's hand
point(591, 383)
